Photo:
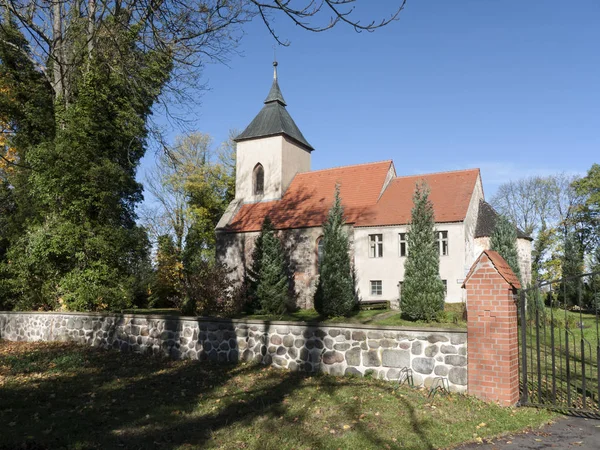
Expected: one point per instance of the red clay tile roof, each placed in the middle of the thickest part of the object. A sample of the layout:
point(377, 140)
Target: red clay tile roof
point(310, 195)
point(501, 266)
point(450, 193)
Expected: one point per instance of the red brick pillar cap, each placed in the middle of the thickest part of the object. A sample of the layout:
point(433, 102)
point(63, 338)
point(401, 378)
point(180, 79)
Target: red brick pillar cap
point(500, 265)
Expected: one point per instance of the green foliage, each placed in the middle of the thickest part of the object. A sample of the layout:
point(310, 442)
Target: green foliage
point(253, 272)
point(594, 282)
point(56, 262)
point(504, 241)
point(422, 290)
point(191, 184)
point(95, 288)
point(26, 119)
point(336, 294)
point(535, 303)
point(272, 290)
point(572, 268)
point(78, 245)
point(167, 286)
point(588, 212)
point(196, 181)
point(26, 108)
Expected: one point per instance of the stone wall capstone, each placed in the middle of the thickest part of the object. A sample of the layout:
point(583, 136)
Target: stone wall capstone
point(336, 349)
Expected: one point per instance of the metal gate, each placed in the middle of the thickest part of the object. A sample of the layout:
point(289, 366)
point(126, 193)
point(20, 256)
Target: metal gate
point(560, 345)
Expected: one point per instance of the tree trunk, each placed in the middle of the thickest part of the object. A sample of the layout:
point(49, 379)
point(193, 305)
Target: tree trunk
point(91, 29)
point(56, 51)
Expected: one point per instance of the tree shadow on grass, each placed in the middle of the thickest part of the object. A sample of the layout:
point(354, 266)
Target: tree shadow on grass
point(109, 400)
point(419, 427)
point(75, 397)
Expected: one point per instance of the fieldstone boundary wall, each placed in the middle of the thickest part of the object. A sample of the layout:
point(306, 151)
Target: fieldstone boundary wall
point(336, 349)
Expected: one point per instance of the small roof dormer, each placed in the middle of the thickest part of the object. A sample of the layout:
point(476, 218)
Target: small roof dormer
point(274, 120)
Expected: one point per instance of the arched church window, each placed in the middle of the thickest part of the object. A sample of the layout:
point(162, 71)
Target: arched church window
point(319, 253)
point(259, 179)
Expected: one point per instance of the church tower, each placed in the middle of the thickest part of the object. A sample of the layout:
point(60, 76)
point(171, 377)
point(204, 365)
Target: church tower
point(270, 151)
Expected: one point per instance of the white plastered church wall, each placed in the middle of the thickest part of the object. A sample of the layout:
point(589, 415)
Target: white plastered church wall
point(281, 160)
point(389, 269)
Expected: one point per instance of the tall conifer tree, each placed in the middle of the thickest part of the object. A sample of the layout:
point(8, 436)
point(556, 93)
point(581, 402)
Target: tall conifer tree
point(335, 295)
point(422, 290)
point(272, 290)
point(253, 272)
point(504, 241)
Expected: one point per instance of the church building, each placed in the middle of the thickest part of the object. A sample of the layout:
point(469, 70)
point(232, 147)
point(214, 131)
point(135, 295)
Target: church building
point(274, 178)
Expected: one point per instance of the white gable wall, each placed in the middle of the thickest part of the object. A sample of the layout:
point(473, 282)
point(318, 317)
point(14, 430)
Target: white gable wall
point(295, 160)
point(390, 268)
point(472, 252)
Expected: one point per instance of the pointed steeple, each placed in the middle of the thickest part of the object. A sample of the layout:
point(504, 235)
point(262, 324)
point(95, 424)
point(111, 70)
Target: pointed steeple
point(273, 119)
point(275, 94)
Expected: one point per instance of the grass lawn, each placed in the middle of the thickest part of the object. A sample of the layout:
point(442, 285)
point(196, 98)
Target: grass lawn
point(62, 395)
point(452, 318)
point(386, 317)
point(152, 311)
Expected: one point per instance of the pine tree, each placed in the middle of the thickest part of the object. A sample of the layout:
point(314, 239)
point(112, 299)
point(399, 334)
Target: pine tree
point(272, 290)
point(504, 241)
point(253, 272)
point(422, 290)
point(335, 295)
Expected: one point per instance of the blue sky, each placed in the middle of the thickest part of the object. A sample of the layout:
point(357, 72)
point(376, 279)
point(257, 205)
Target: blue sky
point(511, 87)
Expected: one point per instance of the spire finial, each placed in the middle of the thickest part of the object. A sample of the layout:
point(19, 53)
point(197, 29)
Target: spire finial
point(274, 62)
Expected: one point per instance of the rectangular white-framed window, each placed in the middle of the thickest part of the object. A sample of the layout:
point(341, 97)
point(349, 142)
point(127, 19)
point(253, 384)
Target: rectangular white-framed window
point(442, 240)
point(402, 244)
point(376, 245)
point(445, 286)
point(376, 287)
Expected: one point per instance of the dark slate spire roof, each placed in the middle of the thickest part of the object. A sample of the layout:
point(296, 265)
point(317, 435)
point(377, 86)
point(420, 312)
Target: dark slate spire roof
point(486, 222)
point(273, 119)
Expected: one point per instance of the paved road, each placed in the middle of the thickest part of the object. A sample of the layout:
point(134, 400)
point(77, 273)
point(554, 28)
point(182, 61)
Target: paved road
point(568, 433)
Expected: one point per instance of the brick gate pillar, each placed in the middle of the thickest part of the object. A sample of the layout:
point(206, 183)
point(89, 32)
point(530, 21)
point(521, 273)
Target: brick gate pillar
point(492, 332)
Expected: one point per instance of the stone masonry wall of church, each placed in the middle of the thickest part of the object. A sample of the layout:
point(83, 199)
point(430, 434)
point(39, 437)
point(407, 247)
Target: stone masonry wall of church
point(334, 349)
point(235, 250)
